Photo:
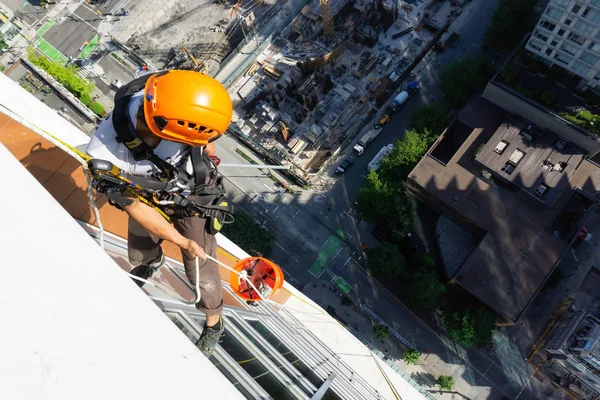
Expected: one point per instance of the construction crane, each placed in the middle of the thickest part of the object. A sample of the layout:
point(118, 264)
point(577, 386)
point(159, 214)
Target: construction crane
point(199, 66)
point(327, 18)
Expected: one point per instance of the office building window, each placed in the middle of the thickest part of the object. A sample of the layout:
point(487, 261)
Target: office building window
point(553, 43)
point(554, 13)
point(592, 15)
point(534, 44)
point(562, 3)
point(548, 51)
point(561, 32)
point(575, 8)
point(547, 25)
point(581, 68)
point(569, 48)
point(562, 58)
point(584, 27)
point(597, 77)
point(595, 2)
point(568, 21)
point(589, 58)
point(575, 38)
point(540, 35)
point(595, 47)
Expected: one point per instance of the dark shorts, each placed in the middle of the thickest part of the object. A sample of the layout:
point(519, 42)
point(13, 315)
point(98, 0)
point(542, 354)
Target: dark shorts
point(144, 248)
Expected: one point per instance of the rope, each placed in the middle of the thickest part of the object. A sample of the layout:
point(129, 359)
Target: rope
point(394, 392)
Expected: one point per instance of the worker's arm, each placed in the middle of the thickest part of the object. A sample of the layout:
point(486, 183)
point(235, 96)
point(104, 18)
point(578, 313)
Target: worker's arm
point(153, 222)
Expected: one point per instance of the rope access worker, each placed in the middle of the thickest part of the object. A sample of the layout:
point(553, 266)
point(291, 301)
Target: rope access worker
point(161, 133)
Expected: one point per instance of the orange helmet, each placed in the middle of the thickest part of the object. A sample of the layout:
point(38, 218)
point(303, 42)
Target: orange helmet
point(186, 107)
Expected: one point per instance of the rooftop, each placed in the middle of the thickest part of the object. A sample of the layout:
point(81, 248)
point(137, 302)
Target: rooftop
point(86, 351)
point(540, 163)
point(517, 253)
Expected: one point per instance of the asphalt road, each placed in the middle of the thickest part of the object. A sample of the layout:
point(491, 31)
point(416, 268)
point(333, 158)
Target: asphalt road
point(71, 31)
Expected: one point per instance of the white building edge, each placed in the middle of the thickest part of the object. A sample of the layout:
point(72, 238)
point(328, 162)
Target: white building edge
point(76, 327)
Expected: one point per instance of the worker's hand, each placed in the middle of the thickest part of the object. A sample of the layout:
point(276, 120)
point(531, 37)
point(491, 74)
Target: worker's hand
point(210, 149)
point(193, 249)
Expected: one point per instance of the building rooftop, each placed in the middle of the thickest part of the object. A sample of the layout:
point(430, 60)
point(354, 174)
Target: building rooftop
point(540, 163)
point(69, 326)
point(516, 253)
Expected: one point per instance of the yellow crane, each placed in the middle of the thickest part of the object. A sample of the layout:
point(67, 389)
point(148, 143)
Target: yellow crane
point(198, 65)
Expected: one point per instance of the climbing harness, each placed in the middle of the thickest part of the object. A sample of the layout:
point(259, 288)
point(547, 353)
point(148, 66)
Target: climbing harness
point(106, 171)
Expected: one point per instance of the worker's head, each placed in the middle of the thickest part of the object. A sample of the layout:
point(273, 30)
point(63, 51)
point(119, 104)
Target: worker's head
point(186, 107)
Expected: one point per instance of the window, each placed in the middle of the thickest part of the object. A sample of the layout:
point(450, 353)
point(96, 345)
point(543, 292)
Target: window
point(508, 168)
point(562, 3)
point(500, 147)
point(595, 2)
point(584, 27)
point(548, 51)
point(575, 38)
point(568, 21)
point(554, 13)
point(589, 58)
point(562, 58)
point(581, 68)
point(575, 8)
point(592, 15)
point(553, 43)
point(585, 12)
point(595, 47)
point(540, 36)
point(547, 25)
point(534, 44)
point(597, 77)
point(569, 48)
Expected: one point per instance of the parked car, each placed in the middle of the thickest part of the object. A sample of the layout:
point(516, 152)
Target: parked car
point(347, 163)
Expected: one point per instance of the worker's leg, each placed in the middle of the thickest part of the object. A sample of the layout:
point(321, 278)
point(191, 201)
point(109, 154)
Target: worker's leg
point(211, 302)
point(144, 251)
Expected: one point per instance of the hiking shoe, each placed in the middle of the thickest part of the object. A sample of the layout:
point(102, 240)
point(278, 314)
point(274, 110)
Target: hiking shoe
point(210, 338)
point(146, 271)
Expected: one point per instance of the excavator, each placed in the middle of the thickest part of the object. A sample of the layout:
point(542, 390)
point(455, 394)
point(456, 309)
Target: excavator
point(199, 66)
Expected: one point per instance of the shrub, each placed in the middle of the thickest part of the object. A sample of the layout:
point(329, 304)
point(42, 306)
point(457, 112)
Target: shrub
point(248, 235)
point(86, 99)
point(411, 356)
point(381, 331)
point(446, 382)
point(66, 76)
point(97, 108)
point(548, 97)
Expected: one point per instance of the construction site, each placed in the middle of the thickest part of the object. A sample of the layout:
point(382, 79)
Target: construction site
point(327, 74)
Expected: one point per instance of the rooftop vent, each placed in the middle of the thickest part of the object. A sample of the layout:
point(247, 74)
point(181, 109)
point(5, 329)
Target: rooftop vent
point(541, 191)
point(486, 174)
point(560, 144)
point(517, 156)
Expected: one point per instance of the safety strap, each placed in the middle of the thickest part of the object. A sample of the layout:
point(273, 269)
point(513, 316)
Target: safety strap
point(126, 132)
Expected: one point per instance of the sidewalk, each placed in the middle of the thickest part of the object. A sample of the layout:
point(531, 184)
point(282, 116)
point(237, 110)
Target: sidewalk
point(424, 373)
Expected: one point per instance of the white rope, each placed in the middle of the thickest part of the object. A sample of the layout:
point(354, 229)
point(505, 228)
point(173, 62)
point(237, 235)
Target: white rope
point(245, 275)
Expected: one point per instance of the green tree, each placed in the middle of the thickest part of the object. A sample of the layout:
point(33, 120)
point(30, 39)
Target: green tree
point(97, 108)
point(510, 73)
point(446, 382)
point(511, 20)
point(381, 331)
point(411, 356)
point(464, 78)
point(432, 118)
point(406, 154)
point(421, 260)
point(425, 289)
point(473, 326)
point(384, 203)
point(3, 43)
point(386, 261)
point(244, 232)
point(67, 76)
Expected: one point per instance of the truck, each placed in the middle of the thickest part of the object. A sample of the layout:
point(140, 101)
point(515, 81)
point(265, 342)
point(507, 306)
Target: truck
point(401, 98)
point(376, 161)
point(366, 139)
point(450, 40)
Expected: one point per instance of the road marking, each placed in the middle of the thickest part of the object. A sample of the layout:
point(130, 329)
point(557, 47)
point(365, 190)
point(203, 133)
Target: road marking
point(351, 217)
point(347, 261)
point(337, 252)
point(296, 214)
point(347, 234)
point(295, 259)
point(284, 250)
point(268, 187)
point(275, 208)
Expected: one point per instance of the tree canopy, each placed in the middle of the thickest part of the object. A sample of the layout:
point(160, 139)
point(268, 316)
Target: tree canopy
point(510, 22)
point(244, 232)
point(431, 117)
point(472, 326)
point(425, 289)
point(463, 78)
point(446, 382)
point(386, 261)
point(406, 154)
point(411, 356)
